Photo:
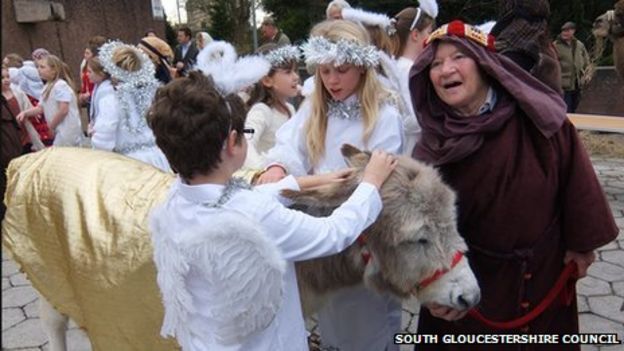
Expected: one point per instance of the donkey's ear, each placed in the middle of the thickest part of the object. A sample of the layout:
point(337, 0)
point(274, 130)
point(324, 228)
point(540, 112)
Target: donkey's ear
point(354, 156)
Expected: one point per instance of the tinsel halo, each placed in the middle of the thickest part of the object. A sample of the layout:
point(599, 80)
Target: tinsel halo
point(318, 51)
point(283, 55)
point(146, 72)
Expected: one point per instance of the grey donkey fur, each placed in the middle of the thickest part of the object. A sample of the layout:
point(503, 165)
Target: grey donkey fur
point(414, 236)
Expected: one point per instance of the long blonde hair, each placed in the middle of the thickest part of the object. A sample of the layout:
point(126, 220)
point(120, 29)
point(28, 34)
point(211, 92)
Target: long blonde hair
point(61, 71)
point(370, 91)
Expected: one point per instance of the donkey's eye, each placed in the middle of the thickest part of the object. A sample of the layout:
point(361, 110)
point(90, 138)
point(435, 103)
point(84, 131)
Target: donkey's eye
point(422, 241)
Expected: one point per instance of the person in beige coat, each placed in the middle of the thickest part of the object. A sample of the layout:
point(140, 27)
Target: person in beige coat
point(574, 60)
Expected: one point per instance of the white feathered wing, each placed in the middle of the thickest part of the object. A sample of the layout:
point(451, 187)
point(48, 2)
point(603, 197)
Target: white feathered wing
point(237, 258)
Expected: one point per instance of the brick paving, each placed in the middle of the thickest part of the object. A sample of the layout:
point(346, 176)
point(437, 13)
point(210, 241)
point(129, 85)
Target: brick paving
point(600, 295)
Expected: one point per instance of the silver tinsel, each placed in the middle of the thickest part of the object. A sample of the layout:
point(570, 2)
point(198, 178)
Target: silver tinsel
point(319, 50)
point(105, 54)
point(232, 186)
point(283, 55)
point(344, 110)
point(134, 91)
point(135, 100)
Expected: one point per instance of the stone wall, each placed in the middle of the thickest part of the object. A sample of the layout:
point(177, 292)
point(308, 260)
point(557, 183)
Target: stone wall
point(604, 95)
point(126, 20)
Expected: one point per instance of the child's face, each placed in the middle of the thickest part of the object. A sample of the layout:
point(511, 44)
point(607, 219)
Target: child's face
point(342, 81)
point(45, 71)
point(284, 82)
point(93, 76)
point(6, 82)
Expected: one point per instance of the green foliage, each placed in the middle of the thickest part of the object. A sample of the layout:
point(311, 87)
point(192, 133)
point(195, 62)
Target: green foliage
point(170, 34)
point(222, 26)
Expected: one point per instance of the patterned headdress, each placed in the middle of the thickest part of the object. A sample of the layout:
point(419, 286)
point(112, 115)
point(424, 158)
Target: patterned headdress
point(460, 29)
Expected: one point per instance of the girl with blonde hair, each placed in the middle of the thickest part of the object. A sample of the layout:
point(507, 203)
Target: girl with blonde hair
point(125, 89)
point(348, 105)
point(58, 103)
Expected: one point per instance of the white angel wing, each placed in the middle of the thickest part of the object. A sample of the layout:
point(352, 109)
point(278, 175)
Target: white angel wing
point(230, 73)
point(234, 255)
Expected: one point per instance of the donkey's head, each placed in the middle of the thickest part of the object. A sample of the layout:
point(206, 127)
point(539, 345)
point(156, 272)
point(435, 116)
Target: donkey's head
point(414, 244)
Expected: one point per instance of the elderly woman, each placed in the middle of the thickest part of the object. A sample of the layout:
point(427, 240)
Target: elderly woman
point(529, 200)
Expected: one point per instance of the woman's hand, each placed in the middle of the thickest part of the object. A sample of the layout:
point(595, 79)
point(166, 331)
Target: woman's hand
point(582, 259)
point(444, 312)
point(379, 167)
point(272, 175)
point(21, 117)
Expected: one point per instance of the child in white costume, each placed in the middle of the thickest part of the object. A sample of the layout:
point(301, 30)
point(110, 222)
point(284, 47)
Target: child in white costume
point(214, 306)
point(58, 103)
point(118, 113)
point(413, 26)
point(269, 108)
point(348, 105)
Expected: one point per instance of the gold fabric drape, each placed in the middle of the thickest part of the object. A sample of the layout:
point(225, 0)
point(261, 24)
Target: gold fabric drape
point(76, 223)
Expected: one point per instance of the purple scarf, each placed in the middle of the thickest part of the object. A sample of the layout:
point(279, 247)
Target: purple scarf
point(448, 137)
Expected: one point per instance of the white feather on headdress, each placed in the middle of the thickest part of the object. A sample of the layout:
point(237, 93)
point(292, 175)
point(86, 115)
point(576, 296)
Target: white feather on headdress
point(487, 26)
point(367, 18)
point(229, 72)
point(430, 7)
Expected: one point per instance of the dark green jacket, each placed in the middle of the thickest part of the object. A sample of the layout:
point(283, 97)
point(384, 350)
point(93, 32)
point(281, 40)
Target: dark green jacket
point(574, 59)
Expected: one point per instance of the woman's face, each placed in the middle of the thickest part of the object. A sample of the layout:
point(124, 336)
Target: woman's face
point(45, 71)
point(87, 54)
point(456, 79)
point(342, 81)
point(94, 77)
point(284, 82)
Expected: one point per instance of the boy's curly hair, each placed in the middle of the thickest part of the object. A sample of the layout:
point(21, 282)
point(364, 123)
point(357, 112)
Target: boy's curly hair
point(191, 122)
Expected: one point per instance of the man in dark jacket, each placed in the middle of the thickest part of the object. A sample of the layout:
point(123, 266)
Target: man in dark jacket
point(186, 52)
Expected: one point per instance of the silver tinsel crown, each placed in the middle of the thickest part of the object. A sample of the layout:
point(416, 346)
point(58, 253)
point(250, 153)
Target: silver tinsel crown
point(283, 55)
point(318, 51)
point(146, 72)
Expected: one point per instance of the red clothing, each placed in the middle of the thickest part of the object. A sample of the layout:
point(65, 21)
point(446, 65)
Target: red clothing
point(86, 86)
point(523, 200)
point(40, 124)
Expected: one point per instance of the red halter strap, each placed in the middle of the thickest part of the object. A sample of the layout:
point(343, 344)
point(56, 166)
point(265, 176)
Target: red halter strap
point(563, 288)
point(366, 255)
point(440, 272)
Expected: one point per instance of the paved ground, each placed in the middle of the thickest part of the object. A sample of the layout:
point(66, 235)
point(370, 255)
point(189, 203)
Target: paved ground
point(600, 295)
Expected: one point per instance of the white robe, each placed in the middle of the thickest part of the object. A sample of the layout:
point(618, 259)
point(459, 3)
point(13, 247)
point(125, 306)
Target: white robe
point(355, 319)
point(111, 133)
point(297, 236)
point(412, 128)
point(265, 122)
point(69, 131)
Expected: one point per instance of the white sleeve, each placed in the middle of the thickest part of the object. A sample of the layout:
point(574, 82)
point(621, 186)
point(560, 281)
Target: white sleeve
point(290, 150)
point(388, 132)
point(106, 123)
point(274, 189)
point(301, 237)
point(62, 91)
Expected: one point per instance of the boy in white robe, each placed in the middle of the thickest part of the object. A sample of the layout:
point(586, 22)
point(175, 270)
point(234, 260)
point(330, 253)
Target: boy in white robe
point(200, 132)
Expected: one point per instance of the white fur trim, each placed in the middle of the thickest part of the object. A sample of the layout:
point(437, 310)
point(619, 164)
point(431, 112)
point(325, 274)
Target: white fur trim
point(430, 7)
point(367, 18)
point(487, 26)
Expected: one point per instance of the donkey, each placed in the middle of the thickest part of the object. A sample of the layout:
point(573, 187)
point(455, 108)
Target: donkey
point(412, 249)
